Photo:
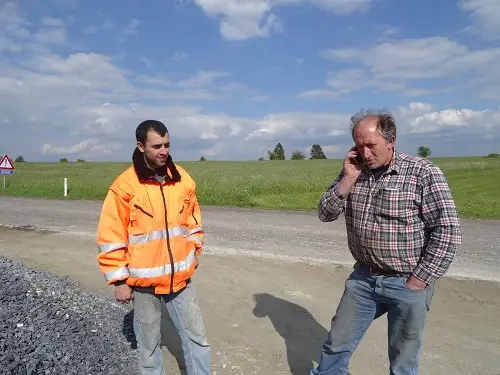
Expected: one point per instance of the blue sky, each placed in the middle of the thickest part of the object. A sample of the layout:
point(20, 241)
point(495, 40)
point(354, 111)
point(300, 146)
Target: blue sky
point(232, 78)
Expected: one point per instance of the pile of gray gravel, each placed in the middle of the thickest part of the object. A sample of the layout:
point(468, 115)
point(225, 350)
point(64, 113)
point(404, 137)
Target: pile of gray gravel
point(50, 325)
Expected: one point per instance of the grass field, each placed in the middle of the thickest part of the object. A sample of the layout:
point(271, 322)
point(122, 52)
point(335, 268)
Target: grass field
point(475, 182)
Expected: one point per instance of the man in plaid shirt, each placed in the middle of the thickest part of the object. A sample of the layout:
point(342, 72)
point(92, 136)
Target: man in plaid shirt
point(403, 231)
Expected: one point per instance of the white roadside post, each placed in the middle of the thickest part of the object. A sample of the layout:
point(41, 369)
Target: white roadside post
point(65, 186)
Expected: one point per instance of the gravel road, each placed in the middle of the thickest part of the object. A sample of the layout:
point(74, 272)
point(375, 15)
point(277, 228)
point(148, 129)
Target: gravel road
point(270, 234)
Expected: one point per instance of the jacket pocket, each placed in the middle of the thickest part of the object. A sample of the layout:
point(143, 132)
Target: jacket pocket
point(183, 210)
point(143, 210)
point(141, 219)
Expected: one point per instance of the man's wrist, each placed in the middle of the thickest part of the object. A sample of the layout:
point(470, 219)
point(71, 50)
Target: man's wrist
point(345, 185)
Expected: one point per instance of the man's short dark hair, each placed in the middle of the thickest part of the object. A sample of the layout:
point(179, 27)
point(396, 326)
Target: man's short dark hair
point(141, 133)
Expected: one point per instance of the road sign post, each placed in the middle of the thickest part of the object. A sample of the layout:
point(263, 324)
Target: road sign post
point(6, 167)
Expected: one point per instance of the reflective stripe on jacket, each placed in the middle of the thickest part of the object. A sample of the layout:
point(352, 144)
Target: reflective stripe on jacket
point(135, 244)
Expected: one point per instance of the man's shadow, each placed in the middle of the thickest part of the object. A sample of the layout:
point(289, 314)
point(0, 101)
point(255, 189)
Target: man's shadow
point(169, 336)
point(303, 335)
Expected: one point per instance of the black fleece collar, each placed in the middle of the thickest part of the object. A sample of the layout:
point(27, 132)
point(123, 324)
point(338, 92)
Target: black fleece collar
point(147, 174)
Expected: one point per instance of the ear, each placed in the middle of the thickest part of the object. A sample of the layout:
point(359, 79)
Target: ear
point(140, 146)
point(391, 142)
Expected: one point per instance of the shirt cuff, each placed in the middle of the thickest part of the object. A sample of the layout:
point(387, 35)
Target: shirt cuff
point(424, 275)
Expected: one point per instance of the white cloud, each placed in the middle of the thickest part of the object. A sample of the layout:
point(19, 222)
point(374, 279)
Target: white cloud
point(244, 19)
point(214, 150)
point(4, 120)
point(148, 63)
point(202, 79)
point(89, 148)
point(318, 94)
point(90, 30)
point(397, 65)
point(53, 22)
point(178, 56)
point(456, 121)
point(108, 24)
point(260, 98)
point(340, 83)
point(129, 30)
point(85, 105)
point(153, 80)
point(299, 126)
point(485, 16)
point(14, 32)
point(51, 36)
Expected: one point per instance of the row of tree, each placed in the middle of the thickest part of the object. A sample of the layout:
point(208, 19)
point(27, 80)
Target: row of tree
point(316, 152)
point(20, 159)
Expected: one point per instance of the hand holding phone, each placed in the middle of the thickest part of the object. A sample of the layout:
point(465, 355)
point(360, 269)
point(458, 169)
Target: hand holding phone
point(353, 163)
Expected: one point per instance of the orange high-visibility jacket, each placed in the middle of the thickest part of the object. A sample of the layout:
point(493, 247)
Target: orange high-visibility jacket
point(149, 232)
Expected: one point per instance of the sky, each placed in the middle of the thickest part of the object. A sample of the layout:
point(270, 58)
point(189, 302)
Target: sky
point(232, 78)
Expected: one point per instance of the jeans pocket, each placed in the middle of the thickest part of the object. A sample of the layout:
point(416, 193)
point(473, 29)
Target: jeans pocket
point(405, 285)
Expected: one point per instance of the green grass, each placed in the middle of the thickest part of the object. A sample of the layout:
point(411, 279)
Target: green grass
point(295, 185)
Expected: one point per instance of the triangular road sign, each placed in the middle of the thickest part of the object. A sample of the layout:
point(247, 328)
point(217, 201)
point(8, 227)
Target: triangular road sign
point(6, 163)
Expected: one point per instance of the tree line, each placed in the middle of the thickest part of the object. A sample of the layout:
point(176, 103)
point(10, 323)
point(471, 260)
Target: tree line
point(316, 152)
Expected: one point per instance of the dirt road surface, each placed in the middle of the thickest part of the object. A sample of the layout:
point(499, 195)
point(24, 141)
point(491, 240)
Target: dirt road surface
point(270, 316)
point(285, 236)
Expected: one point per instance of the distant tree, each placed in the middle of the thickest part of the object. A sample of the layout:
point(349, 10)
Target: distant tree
point(80, 161)
point(63, 160)
point(317, 152)
point(493, 155)
point(203, 158)
point(261, 158)
point(20, 159)
point(298, 155)
point(424, 151)
point(278, 153)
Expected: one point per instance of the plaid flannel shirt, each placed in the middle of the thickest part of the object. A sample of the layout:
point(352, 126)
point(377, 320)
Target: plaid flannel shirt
point(406, 221)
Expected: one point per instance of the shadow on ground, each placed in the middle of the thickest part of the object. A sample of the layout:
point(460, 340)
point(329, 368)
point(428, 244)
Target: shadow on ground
point(170, 338)
point(303, 335)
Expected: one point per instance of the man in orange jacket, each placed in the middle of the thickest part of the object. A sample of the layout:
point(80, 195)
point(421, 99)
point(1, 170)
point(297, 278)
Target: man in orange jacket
point(150, 235)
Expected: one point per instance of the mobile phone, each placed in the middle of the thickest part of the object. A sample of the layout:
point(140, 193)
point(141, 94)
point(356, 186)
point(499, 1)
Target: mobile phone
point(358, 159)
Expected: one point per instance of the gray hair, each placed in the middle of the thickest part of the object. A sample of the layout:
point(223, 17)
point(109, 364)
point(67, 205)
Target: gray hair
point(386, 124)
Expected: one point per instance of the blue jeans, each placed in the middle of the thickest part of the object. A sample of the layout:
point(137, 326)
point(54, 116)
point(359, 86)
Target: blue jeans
point(366, 298)
point(186, 317)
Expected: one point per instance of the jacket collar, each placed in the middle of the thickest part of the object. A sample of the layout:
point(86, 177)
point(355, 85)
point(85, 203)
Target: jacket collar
point(145, 173)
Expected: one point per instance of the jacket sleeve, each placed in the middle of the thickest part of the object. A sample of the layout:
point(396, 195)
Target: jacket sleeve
point(112, 238)
point(195, 223)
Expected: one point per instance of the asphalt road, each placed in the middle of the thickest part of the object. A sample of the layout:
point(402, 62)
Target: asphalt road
point(291, 236)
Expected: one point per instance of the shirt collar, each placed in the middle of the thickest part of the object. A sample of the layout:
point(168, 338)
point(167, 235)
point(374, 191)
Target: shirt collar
point(395, 163)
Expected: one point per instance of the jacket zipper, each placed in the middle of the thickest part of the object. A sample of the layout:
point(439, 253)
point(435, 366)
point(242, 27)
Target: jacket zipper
point(142, 209)
point(168, 243)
